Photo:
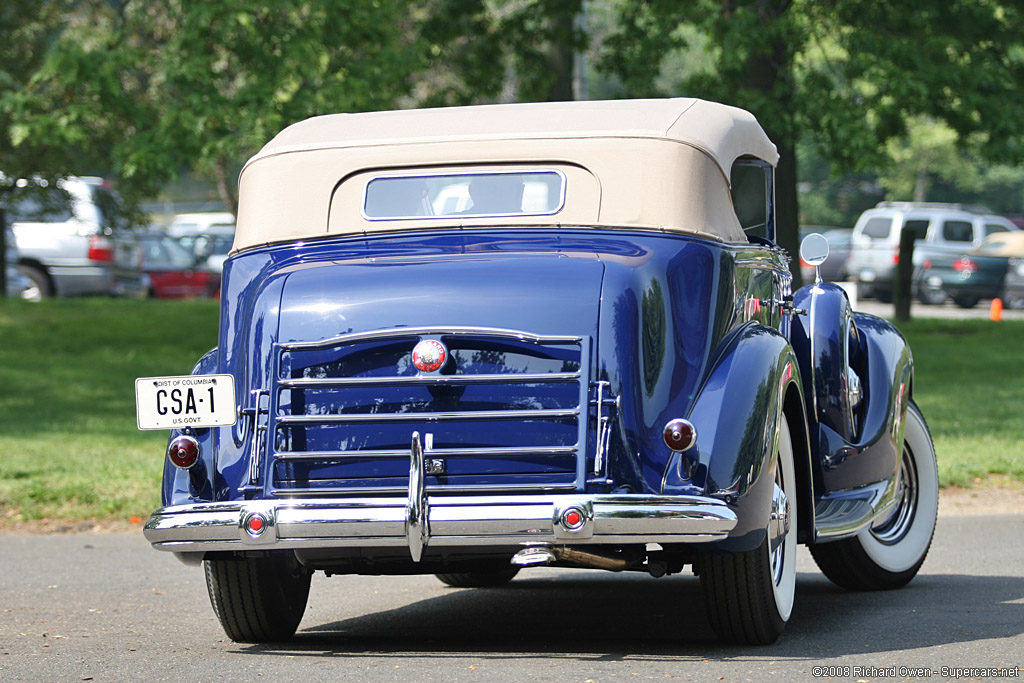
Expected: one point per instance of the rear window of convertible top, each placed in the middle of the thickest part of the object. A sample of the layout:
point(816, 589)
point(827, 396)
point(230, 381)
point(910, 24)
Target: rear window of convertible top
point(467, 194)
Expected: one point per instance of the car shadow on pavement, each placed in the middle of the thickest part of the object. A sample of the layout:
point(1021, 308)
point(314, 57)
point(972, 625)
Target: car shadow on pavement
point(597, 617)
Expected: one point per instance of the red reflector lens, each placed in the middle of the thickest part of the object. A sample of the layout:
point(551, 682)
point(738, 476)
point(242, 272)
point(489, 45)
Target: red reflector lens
point(680, 435)
point(256, 523)
point(183, 452)
point(572, 518)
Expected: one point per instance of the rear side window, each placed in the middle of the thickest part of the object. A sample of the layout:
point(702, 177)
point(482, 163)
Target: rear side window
point(957, 231)
point(918, 227)
point(992, 228)
point(38, 204)
point(878, 228)
point(751, 189)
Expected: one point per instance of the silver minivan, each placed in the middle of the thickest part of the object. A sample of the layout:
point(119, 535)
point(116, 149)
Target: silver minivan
point(63, 232)
point(939, 228)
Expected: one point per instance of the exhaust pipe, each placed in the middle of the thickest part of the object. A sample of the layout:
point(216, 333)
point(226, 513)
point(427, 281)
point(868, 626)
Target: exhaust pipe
point(541, 555)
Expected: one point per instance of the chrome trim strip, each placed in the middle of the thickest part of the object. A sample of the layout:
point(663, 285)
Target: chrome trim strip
point(405, 332)
point(312, 382)
point(454, 521)
point(345, 418)
point(439, 452)
point(402, 490)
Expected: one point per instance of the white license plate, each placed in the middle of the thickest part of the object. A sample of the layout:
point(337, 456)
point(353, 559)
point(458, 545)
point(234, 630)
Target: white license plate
point(185, 401)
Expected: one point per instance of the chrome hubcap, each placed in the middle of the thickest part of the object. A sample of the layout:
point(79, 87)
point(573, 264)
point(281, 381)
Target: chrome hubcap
point(778, 527)
point(897, 525)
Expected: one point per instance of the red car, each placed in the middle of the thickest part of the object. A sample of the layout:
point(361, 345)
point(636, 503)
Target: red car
point(172, 271)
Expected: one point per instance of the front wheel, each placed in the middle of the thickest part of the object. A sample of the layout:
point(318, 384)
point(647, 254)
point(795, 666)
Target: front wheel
point(749, 595)
point(890, 553)
point(258, 600)
point(966, 301)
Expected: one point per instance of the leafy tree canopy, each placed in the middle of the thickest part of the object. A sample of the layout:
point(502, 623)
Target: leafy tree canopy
point(849, 74)
point(149, 87)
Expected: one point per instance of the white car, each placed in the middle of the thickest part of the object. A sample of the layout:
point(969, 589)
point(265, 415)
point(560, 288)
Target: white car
point(64, 234)
point(17, 284)
point(941, 229)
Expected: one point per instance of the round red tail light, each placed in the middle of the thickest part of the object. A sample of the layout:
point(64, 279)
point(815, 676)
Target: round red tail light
point(183, 452)
point(680, 435)
point(573, 518)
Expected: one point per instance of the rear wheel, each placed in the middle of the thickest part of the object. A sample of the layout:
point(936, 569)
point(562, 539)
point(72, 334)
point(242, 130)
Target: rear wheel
point(40, 289)
point(931, 295)
point(1013, 301)
point(258, 600)
point(890, 553)
point(749, 595)
point(482, 579)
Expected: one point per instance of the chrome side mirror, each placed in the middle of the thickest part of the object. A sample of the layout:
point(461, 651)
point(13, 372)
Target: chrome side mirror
point(813, 252)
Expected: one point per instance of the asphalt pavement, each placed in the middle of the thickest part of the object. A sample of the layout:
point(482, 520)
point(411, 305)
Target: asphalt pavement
point(106, 607)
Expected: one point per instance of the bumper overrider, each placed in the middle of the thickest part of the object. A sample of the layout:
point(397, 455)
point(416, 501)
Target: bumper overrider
point(456, 521)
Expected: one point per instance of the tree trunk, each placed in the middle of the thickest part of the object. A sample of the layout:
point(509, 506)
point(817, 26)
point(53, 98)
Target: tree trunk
point(787, 233)
point(561, 60)
point(764, 72)
point(225, 191)
point(921, 185)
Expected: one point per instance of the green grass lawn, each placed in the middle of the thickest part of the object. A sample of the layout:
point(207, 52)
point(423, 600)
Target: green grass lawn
point(69, 447)
point(70, 451)
point(969, 378)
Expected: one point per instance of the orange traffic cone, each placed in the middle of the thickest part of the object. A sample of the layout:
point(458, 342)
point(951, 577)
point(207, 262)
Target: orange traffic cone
point(995, 311)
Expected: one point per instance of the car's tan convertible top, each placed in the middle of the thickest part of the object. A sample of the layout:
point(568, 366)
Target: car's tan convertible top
point(647, 164)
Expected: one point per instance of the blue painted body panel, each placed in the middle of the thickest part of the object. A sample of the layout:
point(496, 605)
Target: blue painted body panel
point(675, 326)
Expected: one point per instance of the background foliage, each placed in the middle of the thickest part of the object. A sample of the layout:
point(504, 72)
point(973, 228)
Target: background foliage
point(865, 99)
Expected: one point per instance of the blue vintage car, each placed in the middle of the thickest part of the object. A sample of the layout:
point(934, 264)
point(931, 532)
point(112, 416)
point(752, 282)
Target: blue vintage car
point(469, 341)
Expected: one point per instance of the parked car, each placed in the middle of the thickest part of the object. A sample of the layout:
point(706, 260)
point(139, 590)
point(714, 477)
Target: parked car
point(940, 229)
point(834, 268)
point(65, 234)
point(206, 223)
point(987, 272)
point(208, 235)
point(595, 361)
point(17, 284)
point(171, 270)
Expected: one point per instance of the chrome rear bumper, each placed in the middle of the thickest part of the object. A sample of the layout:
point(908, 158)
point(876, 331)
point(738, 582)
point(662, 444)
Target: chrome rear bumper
point(463, 521)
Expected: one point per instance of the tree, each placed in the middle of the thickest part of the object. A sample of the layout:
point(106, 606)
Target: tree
point(849, 74)
point(510, 50)
point(148, 87)
point(928, 149)
point(26, 31)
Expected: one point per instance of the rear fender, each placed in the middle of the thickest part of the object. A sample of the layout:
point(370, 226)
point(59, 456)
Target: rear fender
point(737, 416)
